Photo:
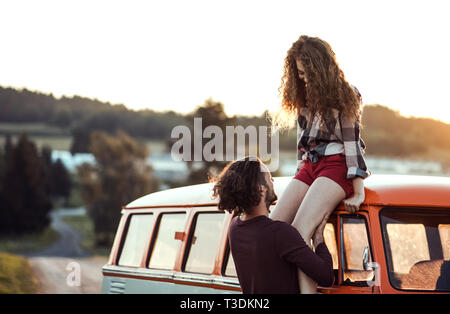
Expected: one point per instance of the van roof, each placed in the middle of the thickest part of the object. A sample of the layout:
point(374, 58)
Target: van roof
point(380, 189)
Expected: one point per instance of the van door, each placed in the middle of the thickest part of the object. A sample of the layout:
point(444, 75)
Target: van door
point(357, 270)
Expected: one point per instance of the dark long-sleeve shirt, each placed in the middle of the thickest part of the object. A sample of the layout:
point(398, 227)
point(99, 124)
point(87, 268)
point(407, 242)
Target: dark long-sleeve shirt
point(267, 254)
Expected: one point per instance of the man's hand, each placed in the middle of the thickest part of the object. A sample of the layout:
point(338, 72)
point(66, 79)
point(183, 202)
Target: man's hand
point(352, 203)
point(318, 234)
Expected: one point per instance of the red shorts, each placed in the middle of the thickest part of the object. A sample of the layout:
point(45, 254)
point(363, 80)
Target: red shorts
point(333, 167)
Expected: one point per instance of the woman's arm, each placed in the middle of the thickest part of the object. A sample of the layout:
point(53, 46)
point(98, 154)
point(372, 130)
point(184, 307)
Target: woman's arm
point(352, 203)
point(357, 168)
point(353, 148)
point(300, 150)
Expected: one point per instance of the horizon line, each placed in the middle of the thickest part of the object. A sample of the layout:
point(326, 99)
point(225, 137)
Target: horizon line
point(61, 96)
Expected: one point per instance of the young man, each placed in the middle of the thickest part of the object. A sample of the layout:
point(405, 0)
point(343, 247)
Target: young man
point(266, 253)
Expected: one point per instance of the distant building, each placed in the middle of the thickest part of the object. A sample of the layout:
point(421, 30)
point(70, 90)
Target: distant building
point(72, 161)
point(165, 168)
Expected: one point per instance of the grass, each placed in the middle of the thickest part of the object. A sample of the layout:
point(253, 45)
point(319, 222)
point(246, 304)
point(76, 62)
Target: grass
point(154, 146)
point(75, 198)
point(16, 275)
point(55, 142)
point(40, 133)
point(29, 242)
point(57, 138)
point(85, 226)
point(37, 128)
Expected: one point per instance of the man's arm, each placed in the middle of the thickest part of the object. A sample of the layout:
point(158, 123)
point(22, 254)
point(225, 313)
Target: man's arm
point(292, 248)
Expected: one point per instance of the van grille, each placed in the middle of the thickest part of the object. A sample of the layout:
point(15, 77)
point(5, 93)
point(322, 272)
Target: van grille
point(117, 286)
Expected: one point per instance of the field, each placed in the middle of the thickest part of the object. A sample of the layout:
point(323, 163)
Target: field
point(15, 272)
point(55, 137)
point(40, 133)
point(28, 243)
point(16, 275)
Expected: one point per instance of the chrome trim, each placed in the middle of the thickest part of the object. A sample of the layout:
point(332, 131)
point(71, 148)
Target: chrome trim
point(341, 226)
point(172, 275)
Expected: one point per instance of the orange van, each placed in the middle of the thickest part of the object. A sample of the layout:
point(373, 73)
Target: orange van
point(176, 241)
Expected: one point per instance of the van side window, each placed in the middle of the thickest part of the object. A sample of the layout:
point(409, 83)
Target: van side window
point(204, 242)
point(166, 246)
point(355, 240)
point(444, 233)
point(137, 235)
point(417, 246)
point(230, 270)
point(330, 237)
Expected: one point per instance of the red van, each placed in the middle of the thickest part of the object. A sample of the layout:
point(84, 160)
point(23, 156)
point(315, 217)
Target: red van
point(176, 241)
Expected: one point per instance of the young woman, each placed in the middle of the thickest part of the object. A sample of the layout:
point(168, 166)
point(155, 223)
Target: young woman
point(331, 167)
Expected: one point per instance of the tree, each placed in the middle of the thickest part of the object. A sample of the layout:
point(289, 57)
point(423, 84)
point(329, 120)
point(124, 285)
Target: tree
point(4, 156)
point(119, 176)
point(212, 114)
point(46, 157)
point(59, 183)
point(2, 173)
point(8, 147)
point(26, 199)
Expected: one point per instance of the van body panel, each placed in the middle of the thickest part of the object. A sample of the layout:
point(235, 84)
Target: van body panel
point(129, 280)
point(381, 191)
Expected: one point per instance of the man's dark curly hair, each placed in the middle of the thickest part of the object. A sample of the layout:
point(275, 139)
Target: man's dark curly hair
point(238, 185)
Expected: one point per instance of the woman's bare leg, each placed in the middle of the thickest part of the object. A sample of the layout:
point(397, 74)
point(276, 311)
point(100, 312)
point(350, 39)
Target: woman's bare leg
point(288, 204)
point(321, 199)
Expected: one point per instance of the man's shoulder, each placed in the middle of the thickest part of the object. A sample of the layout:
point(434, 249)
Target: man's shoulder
point(283, 229)
point(261, 222)
point(283, 226)
point(285, 234)
point(278, 224)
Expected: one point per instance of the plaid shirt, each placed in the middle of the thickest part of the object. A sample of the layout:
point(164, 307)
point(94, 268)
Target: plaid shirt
point(314, 141)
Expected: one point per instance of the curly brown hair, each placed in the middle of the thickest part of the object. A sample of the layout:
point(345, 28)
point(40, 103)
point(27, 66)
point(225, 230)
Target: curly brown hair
point(326, 86)
point(238, 185)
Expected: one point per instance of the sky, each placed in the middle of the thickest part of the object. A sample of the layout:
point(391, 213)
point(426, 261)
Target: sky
point(173, 55)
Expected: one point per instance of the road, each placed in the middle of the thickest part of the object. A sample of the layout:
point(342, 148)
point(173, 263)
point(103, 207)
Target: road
point(64, 267)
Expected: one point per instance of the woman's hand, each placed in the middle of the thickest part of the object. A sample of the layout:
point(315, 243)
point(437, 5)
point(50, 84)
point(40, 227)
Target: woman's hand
point(352, 203)
point(300, 164)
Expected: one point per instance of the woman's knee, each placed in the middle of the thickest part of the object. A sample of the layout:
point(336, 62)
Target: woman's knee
point(308, 218)
point(288, 205)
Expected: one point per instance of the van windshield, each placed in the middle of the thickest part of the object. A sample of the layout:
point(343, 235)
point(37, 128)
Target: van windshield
point(417, 246)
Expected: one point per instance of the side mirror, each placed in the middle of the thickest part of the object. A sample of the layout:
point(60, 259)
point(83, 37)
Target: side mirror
point(366, 259)
point(371, 266)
